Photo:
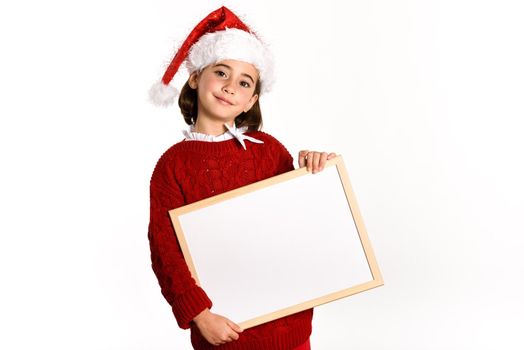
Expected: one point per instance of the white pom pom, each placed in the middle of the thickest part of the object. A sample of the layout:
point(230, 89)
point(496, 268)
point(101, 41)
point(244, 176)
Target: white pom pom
point(162, 95)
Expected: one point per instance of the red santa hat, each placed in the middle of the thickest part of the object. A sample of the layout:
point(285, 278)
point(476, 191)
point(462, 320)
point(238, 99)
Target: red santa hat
point(219, 36)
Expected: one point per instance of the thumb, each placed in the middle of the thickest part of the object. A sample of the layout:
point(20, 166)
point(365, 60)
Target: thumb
point(234, 326)
point(331, 156)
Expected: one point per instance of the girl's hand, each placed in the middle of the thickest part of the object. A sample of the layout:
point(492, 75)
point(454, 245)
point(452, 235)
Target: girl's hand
point(315, 161)
point(216, 329)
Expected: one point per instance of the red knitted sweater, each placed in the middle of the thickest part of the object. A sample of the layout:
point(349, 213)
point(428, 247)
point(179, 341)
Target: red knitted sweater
point(193, 170)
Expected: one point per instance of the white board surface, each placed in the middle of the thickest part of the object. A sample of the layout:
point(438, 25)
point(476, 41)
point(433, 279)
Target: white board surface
point(303, 244)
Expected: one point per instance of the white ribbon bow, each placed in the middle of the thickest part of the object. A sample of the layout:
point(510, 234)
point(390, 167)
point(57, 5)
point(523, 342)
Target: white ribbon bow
point(239, 135)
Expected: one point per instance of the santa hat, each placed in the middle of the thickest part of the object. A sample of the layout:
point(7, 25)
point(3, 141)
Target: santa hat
point(219, 36)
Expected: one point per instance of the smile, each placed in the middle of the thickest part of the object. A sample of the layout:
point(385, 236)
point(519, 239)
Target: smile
point(223, 101)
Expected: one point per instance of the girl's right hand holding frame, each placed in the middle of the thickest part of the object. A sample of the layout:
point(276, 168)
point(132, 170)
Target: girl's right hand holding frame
point(216, 329)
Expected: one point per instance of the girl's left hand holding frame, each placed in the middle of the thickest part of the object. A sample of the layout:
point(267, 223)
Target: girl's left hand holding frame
point(314, 161)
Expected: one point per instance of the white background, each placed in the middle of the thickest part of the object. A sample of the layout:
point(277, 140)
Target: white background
point(422, 98)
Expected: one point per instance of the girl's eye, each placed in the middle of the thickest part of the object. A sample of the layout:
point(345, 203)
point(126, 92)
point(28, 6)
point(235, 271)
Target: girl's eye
point(245, 84)
point(220, 73)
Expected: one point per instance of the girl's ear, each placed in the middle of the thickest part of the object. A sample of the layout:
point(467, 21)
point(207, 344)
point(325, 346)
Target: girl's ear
point(251, 102)
point(193, 80)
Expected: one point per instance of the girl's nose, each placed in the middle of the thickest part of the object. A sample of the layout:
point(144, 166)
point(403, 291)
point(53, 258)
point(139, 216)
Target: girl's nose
point(228, 88)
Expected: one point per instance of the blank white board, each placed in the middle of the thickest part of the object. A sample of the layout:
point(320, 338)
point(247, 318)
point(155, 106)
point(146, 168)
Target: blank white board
point(305, 246)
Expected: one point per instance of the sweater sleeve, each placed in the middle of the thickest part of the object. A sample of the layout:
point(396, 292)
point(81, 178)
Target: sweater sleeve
point(283, 158)
point(285, 162)
point(178, 287)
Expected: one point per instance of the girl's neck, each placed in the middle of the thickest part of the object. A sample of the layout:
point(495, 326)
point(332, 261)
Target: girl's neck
point(211, 127)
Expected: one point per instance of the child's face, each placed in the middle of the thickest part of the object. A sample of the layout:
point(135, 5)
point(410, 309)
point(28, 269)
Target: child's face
point(225, 89)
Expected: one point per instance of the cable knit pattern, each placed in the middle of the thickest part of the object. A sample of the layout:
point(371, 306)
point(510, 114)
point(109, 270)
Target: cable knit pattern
point(188, 172)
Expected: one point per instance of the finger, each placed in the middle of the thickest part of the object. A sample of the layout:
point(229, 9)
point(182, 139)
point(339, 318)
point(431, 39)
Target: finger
point(309, 161)
point(216, 340)
point(234, 326)
point(229, 336)
point(323, 159)
point(225, 337)
point(302, 158)
point(316, 161)
point(233, 336)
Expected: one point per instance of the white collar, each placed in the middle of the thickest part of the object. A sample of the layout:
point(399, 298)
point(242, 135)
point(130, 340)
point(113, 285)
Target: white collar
point(232, 132)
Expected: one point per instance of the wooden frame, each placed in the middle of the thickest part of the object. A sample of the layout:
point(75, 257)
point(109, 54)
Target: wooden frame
point(311, 246)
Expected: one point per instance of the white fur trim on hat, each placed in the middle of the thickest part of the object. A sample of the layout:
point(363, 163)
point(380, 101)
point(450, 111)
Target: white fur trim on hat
point(233, 44)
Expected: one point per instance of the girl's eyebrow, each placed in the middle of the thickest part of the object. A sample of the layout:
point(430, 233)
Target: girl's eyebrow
point(244, 74)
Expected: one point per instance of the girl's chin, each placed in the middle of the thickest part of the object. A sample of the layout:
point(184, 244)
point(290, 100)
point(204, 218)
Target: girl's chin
point(222, 118)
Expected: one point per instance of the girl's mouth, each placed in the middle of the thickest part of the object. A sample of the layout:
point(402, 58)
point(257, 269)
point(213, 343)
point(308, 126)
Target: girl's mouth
point(223, 100)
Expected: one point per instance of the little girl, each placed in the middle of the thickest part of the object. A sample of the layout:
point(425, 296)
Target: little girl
point(222, 150)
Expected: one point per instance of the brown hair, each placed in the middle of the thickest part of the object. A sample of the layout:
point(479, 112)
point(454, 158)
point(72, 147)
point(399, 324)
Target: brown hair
point(189, 108)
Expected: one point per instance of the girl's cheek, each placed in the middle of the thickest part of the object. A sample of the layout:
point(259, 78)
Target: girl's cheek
point(211, 84)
